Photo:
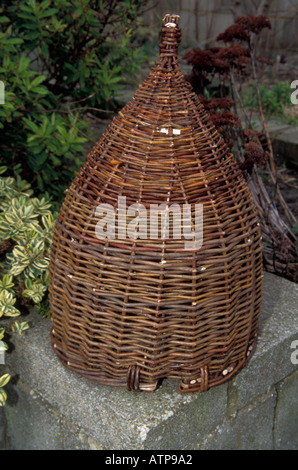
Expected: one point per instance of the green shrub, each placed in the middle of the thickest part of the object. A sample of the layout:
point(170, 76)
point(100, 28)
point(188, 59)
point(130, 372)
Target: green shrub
point(275, 99)
point(59, 58)
point(26, 226)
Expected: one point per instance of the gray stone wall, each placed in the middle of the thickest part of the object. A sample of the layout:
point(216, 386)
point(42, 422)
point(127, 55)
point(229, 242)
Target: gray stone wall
point(50, 407)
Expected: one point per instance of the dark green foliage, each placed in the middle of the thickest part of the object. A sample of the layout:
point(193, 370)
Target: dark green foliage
point(275, 99)
point(58, 59)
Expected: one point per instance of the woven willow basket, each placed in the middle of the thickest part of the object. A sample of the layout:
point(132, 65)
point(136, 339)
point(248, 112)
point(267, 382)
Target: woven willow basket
point(131, 310)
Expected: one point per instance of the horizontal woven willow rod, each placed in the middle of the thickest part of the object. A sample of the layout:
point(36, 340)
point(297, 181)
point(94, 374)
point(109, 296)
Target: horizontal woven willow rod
point(130, 311)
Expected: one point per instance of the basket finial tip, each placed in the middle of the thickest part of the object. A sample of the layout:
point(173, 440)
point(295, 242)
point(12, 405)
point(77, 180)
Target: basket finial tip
point(170, 20)
point(170, 36)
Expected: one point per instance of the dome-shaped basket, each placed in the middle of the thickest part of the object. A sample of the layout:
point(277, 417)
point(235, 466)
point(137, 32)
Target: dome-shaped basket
point(156, 262)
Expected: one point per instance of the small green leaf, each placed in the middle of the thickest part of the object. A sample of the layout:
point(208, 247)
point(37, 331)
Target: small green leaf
point(12, 312)
point(38, 80)
point(4, 380)
point(4, 19)
point(18, 327)
point(3, 346)
point(3, 397)
point(15, 41)
point(41, 264)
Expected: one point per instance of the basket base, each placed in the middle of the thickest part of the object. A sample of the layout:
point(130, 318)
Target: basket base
point(132, 380)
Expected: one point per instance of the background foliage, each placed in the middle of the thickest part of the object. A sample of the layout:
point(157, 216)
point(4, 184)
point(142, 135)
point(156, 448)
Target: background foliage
point(275, 100)
point(58, 59)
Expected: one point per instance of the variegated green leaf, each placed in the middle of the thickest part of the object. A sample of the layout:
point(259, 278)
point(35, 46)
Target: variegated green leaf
point(3, 397)
point(41, 264)
point(3, 346)
point(4, 380)
point(12, 312)
point(19, 327)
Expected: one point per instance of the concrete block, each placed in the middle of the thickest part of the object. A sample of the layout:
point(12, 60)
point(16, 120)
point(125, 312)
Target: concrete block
point(250, 429)
point(2, 429)
point(285, 145)
point(286, 416)
point(272, 358)
point(184, 429)
point(27, 416)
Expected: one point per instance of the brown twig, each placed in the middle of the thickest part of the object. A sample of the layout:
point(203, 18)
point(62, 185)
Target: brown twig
point(273, 173)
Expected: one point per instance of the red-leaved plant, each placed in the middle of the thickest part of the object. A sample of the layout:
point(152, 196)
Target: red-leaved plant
point(230, 65)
